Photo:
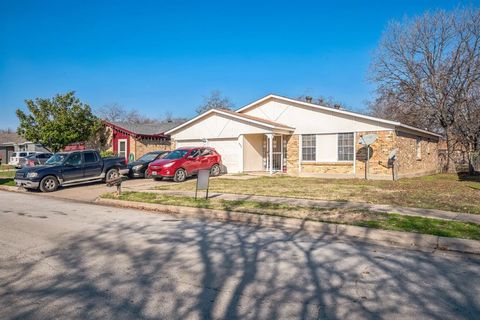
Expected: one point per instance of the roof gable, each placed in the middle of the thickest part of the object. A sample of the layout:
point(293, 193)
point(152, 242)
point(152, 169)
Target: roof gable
point(312, 106)
point(256, 121)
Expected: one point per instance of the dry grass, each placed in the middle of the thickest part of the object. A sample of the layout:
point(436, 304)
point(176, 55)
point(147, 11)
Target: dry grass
point(364, 218)
point(443, 191)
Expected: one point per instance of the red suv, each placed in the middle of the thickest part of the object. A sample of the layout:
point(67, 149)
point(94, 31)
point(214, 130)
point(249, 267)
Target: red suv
point(184, 162)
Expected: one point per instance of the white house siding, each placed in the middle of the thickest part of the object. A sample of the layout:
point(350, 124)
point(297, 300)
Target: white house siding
point(309, 120)
point(326, 147)
point(217, 126)
point(253, 152)
point(229, 149)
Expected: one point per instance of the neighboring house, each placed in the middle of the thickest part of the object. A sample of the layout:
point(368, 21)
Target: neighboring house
point(300, 138)
point(134, 140)
point(12, 142)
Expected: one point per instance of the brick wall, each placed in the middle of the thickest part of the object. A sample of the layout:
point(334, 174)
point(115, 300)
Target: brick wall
point(328, 168)
point(379, 152)
point(143, 146)
point(407, 163)
point(292, 153)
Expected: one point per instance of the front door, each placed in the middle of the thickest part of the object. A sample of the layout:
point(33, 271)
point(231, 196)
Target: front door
point(122, 148)
point(277, 153)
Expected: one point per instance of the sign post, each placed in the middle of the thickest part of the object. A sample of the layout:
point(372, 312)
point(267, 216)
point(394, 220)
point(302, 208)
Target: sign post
point(367, 140)
point(203, 179)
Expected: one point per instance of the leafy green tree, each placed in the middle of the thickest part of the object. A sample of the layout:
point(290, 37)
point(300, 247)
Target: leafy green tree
point(58, 121)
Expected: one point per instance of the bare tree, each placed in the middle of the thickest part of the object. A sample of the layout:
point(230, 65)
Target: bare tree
point(467, 129)
point(116, 113)
point(428, 65)
point(111, 112)
point(323, 101)
point(215, 101)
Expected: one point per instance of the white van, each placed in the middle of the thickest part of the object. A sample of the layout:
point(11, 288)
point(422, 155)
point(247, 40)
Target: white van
point(16, 156)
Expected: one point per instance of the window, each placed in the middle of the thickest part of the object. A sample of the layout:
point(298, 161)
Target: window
point(308, 147)
point(206, 152)
point(90, 157)
point(75, 159)
point(195, 153)
point(418, 148)
point(345, 147)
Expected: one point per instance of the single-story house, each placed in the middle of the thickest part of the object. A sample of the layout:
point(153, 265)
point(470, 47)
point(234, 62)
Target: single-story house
point(278, 134)
point(11, 142)
point(134, 140)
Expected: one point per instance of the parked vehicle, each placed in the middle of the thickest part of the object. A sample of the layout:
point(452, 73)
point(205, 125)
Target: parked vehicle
point(69, 168)
point(138, 168)
point(184, 162)
point(16, 156)
point(34, 159)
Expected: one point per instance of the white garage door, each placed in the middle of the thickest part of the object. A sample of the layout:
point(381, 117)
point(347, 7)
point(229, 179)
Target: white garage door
point(229, 149)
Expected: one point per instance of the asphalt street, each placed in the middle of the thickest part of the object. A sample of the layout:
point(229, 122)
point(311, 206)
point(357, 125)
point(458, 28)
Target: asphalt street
point(70, 260)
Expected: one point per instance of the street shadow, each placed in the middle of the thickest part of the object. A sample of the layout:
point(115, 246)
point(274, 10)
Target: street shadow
point(196, 269)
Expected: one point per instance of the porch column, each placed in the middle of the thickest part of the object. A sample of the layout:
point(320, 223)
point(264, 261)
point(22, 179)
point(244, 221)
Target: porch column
point(270, 152)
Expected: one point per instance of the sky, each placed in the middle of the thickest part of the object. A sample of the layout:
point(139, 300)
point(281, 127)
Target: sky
point(165, 56)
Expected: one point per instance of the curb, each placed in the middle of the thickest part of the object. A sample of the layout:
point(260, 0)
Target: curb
point(405, 239)
point(10, 188)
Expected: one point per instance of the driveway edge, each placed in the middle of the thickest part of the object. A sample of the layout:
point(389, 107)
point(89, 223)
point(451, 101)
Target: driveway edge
point(405, 239)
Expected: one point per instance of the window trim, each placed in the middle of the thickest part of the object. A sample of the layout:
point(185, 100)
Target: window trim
point(314, 148)
point(353, 146)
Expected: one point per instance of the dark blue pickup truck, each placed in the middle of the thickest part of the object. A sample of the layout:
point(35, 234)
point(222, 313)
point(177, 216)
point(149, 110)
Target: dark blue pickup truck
point(68, 168)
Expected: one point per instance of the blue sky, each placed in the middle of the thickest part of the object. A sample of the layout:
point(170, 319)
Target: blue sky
point(164, 56)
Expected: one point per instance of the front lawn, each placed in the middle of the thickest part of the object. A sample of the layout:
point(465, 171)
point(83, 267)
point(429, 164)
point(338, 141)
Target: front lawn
point(7, 174)
point(364, 218)
point(443, 191)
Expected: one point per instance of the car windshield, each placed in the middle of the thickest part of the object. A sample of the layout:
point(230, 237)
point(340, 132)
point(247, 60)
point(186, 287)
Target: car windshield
point(32, 156)
point(57, 158)
point(148, 157)
point(176, 154)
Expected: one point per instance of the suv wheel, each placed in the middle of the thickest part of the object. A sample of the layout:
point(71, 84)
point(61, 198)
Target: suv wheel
point(49, 184)
point(215, 170)
point(180, 175)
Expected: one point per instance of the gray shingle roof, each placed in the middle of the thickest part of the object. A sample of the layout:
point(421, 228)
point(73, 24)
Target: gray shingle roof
point(10, 138)
point(147, 129)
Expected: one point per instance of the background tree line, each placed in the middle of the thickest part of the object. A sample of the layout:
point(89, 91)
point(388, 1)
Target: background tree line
point(427, 74)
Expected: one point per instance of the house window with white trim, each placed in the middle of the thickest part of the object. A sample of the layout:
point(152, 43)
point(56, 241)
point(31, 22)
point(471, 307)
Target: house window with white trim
point(345, 148)
point(309, 147)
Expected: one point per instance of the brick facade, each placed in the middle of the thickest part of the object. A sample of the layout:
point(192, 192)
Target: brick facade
point(406, 165)
point(144, 146)
point(293, 157)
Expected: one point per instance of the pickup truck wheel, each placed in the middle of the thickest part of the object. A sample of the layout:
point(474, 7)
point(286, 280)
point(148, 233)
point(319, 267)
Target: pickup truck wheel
point(180, 175)
point(112, 174)
point(215, 170)
point(49, 184)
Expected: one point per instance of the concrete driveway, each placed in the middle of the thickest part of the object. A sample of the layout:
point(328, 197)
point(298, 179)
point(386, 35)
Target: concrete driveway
point(90, 191)
point(61, 259)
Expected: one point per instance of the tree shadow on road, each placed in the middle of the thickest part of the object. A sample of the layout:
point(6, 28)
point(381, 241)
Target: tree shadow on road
point(194, 269)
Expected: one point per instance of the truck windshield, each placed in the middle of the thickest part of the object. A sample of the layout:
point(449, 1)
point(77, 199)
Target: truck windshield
point(176, 154)
point(57, 158)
